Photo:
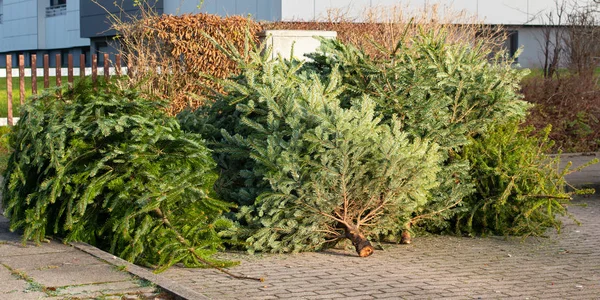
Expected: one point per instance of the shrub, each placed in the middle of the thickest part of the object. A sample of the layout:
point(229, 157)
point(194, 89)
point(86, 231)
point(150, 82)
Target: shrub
point(439, 91)
point(571, 104)
point(5, 149)
point(308, 171)
point(169, 56)
point(105, 166)
point(387, 24)
point(519, 188)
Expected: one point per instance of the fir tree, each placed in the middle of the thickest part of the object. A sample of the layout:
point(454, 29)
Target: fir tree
point(439, 91)
point(519, 188)
point(102, 165)
point(307, 171)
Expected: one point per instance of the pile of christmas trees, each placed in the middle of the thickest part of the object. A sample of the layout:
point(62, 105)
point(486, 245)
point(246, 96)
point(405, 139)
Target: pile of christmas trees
point(346, 146)
point(352, 146)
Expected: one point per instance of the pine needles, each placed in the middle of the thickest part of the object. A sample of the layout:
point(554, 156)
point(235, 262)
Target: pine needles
point(102, 165)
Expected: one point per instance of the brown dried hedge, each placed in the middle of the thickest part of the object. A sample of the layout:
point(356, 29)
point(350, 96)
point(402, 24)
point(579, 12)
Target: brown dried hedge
point(388, 25)
point(571, 104)
point(167, 55)
point(153, 44)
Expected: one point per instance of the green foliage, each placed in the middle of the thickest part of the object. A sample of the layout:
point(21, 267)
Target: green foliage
point(305, 168)
point(104, 166)
point(439, 91)
point(353, 141)
point(5, 149)
point(520, 189)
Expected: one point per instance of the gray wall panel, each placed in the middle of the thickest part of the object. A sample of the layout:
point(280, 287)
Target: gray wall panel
point(94, 18)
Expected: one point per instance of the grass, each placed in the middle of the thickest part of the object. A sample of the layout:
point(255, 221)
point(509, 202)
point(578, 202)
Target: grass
point(15, 91)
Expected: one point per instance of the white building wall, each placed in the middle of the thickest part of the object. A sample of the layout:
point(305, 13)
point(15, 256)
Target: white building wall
point(530, 39)
point(26, 27)
point(510, 12)
point(19, 26)
point(72, 26)
point(1, 22)
point(269, 10)
point(63, 31)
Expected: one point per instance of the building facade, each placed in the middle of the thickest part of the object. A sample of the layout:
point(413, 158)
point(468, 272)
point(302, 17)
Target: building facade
point(82, 26)
point(40, 27)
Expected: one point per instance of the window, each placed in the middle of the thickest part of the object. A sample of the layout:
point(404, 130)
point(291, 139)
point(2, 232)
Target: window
point(56, 8)
point(101, 48)
point(1, 10)
point(64, 58)
point(511, 44)
point(87, 56)
point(58, 2)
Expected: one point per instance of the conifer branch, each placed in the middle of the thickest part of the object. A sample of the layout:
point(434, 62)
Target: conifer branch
point(185, 242)
point(549, 197)
point(359, 220)
point(375, 212)
point(431, 214)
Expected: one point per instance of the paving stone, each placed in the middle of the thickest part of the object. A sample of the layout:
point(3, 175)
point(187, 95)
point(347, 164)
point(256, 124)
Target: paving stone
point(104, 288)
point(11, 286)
point(24, 296)
point(50, 260)
point(8, 248)
point(77, 275)
point(435, 267)
point(562, 266)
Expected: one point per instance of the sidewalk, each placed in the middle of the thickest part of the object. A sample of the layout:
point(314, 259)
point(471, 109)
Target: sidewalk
point(588, 177)
point(565, 266)
point(58, 271)
point(562, 266)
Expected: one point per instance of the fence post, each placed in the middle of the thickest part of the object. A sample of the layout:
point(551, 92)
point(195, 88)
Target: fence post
point(9, 118)
point(70, 70)
point(94, 68)
point(129, 67)
point(118, 65)
point(46, 71)
point(57, 67)
point(106, 67)
point(81, 66)
point(33, 74)
point(21, 79)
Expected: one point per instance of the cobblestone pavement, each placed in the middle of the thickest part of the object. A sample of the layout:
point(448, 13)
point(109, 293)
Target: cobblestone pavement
point(563, 266)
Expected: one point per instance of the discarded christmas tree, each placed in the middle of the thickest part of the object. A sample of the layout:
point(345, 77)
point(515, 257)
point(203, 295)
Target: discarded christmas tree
point(520, 189)
point(307, 171)
point(443, 91)
point(104, 166)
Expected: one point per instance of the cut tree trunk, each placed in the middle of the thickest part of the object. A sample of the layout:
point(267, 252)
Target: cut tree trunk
point(405, 238)
point(361, 243)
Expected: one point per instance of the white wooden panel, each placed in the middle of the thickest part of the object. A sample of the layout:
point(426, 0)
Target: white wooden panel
point(282, 42)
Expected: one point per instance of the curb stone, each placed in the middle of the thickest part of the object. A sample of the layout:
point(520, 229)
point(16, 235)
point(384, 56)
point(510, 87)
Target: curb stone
point(174, 288)
point(588, 177)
